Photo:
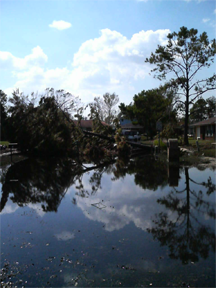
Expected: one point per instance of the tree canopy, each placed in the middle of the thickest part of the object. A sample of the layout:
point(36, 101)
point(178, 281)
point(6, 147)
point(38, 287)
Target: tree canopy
point(45, 128)
point(3, 118)
point(151, 106)
point(106, 107)
point(203, 109)
point(182, 58)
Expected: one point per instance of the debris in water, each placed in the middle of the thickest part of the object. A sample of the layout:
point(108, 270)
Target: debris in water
point(99, 205)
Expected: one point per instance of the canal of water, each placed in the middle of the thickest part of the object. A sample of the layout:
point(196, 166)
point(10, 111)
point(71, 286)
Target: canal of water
point(137, 223)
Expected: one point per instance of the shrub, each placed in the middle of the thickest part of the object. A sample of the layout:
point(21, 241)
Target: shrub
point(162, 144)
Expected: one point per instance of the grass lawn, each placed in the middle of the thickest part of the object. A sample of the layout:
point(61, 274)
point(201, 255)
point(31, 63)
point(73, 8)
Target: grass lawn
point(6, 143)
point(209, 152)
point(201, 142)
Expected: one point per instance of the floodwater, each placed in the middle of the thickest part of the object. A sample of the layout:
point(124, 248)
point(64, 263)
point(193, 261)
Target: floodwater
point(137, 223)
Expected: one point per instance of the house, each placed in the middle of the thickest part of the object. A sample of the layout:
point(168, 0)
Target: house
point(127, 124)
point(87, 125)
point(205, 129)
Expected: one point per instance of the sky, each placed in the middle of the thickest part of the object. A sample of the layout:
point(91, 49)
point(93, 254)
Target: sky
point(91, 47)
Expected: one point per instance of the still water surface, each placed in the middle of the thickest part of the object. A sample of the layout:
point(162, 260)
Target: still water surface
point(136, 224)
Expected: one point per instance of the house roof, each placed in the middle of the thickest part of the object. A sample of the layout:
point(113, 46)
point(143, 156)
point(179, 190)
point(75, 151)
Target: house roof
point(131, 126)
point(205, 122)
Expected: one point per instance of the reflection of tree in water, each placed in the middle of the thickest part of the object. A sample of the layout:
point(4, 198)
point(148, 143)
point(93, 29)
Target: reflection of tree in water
point(3, 172)
point(46, 182)
point(36, 181)
point(148, 172)
point(94, 181)
point(181, 231)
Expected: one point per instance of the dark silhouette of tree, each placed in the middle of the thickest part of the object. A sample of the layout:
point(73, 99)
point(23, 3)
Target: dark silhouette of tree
point(45, 128)
point(181, 231)
point(198, 111)
point(4, 116)
point(203, 109)
point(37, 181)
point(151, 105)
point(148, 172)
point(47, 181)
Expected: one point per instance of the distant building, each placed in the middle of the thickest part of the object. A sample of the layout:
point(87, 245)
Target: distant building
point(205, 129)
point(127, 124)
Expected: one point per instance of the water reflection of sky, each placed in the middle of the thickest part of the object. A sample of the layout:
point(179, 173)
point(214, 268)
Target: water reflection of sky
point(83, 245)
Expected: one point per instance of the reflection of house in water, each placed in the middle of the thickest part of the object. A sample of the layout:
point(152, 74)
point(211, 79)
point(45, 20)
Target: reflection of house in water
point(173, 175)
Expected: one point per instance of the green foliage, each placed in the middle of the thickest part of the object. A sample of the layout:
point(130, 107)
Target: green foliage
point(162, 144)
point(203, 109)
point(150, 106)
point(198, 111)
point(184, 56)
point(127, 111)
point(3, 111)
point(122, 147)
point(5, 143)
point(46, 128)
point(171, 131)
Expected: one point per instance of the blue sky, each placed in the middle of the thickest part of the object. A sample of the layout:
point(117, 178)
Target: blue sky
point(91, 47)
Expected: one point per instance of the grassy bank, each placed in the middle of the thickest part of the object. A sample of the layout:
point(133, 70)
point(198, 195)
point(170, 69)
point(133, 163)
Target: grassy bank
point(5, 143)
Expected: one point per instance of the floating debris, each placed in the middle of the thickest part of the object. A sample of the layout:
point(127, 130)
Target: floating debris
point(99, 205)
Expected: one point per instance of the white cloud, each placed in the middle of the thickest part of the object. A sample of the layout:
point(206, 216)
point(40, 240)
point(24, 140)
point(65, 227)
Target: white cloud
point(35, 59)
point(60, 25)
point(110, 62)
point(122, 206)
point(205, 20)
point(10, 207)
point(65, 235)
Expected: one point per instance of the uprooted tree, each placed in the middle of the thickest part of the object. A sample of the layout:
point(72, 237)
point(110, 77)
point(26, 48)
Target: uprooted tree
point(184, 56)
point(46, 127)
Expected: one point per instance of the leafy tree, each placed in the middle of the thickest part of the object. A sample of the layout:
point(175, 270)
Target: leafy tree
point(203, 109)
point(105, 107)
point(99, 107)
point(150, 106)
point(126, 111)
point(46, 128)
point(198, 111)
point(211, 106)
point(184, 56)
point(51, 132)
point(67, 102)
point(110, 101)
point(21, 112)
point(3, 119)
